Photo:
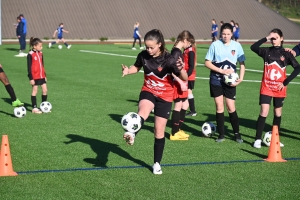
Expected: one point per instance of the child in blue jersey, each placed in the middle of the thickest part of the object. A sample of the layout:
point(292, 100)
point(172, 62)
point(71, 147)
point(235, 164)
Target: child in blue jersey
point(237, 32)
point(136, 36)
point(221, 59)
point(60, 30)
point(214, 30)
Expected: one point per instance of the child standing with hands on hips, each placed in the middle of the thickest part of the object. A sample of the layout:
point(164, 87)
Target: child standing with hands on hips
point(36, 72)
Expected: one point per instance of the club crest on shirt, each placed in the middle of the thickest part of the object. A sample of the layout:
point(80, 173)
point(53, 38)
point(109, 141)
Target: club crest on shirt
point(35, 58)
point(159, 68)
point(282, 58)
point(233, 52)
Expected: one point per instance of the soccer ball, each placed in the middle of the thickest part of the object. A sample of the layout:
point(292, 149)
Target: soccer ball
point(20, 112)
point(131, 122)
point(208, 129)
point(45, 107)
point(267, 138)
point(59, 46)
point(231, 78)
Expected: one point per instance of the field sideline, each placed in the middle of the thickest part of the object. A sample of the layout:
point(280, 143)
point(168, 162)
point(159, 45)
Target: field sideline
point(77, 150)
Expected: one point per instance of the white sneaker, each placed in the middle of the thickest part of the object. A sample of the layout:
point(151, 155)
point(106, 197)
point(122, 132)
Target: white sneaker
point(141, 47)
point(129, 137)
point(156, 168)
point(133, 48)
point(69, 46)
point(257, 144)
point(50, 44)
point(24, 54)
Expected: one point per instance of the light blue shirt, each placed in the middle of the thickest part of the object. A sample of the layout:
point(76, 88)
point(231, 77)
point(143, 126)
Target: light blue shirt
point(224, 57)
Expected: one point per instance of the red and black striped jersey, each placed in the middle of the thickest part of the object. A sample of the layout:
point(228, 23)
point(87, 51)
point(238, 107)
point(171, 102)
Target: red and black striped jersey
point(158, 74)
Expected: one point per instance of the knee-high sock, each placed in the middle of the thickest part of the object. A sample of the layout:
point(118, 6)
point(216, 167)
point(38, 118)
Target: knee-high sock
point(182, 117)
point(11, 92)
point(277, 122)
point(260, 124)
point(234, 120)
point(44, 98)
point(33, 101)
point(220, 124)
point(159, 145)
point(175, 121)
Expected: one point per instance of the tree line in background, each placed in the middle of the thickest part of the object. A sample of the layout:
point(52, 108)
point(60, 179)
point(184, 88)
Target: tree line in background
point(287, 8)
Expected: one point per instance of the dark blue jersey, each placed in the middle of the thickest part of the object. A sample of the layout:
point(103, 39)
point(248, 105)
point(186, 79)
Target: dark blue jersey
point(60, 32)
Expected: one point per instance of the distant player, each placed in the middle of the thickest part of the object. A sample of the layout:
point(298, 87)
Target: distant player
point(274, 81)
point(15, 102)
point(221, 59)
point(136, 36)
point(60, 30)
point(36, 72)
point(214, 30)
point(236, 34)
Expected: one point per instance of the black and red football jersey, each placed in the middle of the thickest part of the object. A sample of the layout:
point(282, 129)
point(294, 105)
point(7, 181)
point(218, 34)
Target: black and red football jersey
point(158, 74)
point(276, 60)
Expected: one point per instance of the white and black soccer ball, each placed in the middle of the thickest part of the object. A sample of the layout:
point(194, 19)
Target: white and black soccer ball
point(45, 106)
point(20, 112)
point(208, 129)
point(60, 46)
point(267, 138)
point(231, 78)
point(131, 122)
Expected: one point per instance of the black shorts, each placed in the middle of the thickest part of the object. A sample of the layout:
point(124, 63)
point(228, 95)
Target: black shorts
point(191, 85)
point(39, 81)
point(162, 108)
point(277, 101)
point(225, 90)
point(180, 99)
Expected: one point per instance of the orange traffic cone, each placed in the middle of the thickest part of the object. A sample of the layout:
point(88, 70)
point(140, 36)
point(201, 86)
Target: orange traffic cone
point(6, 168)
point(274, 149)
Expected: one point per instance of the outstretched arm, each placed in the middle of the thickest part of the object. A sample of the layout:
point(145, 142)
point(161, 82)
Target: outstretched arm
point(54, 33)
point(131, 70)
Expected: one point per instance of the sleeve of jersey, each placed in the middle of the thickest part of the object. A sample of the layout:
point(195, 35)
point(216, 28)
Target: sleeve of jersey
point(255, 47)
point(139, 61)
point(29, 62)
point(191, 62)
point(295, 64)
point(241, 55)
point(210, 53)
point(172, 64)
point(297, 49)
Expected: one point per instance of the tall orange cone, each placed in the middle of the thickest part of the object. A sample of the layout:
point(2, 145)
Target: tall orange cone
point(6, 168)
point(274, 150)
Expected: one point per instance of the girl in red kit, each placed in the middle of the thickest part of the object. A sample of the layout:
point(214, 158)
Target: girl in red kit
point(36, 72)
point(274, 81)
point(186, 41)
point(157, 91)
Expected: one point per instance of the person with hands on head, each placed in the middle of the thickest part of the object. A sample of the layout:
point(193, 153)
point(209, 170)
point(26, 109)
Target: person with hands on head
point(274, 81)
point(36, 72)
point(221, 59)
point(157, 90)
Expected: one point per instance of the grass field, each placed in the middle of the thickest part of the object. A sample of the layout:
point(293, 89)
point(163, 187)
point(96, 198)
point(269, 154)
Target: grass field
point(77, 150)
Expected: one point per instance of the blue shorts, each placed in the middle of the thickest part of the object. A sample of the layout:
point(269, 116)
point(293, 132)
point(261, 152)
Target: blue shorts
point(59, 37)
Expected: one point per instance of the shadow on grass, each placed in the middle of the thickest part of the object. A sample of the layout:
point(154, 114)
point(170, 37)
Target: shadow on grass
point(12, 49)
point(102, 149)
point(26, 105)
point(254, 153)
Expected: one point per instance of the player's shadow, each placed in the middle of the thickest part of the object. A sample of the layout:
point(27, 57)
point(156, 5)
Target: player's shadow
point(9, 114)
point(254, 153)
point(133, 101)
point(8, 101)
point(102, 149)
point(13, 49)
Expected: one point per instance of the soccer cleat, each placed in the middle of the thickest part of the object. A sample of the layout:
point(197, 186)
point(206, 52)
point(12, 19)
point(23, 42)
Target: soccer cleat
point(178, 136)
point(181, 132)
point(133, 48)
point(192, 114)
point(36, 111)
point(156, 168)
point(129, 137)
point(238, 138)
point(141, 47)
point(69, 46)
point(50, 44)
point(220, 140)
point(17, 103)
point(257, 144)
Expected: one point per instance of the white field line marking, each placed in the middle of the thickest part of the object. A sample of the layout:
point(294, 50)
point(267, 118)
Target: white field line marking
point(127, 56)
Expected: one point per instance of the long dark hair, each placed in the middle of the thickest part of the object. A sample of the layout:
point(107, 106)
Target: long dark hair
point(156, 35)
point(279, 32)
point(34, 41)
